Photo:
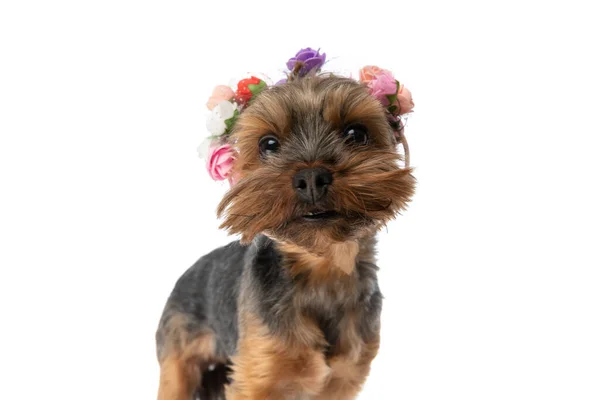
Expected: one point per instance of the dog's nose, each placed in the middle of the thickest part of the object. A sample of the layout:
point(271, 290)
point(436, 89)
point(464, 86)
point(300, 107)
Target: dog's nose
point(311, 184)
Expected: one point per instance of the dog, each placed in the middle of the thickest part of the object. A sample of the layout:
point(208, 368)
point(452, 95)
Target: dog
point(292, 309)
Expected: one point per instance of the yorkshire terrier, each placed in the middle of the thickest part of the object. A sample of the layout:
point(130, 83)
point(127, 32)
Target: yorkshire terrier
point(292, 310)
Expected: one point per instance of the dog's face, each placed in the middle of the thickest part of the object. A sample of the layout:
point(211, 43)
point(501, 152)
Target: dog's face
point(316, 164)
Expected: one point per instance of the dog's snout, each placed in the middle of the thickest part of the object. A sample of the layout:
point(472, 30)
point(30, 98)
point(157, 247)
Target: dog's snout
point(311, 184)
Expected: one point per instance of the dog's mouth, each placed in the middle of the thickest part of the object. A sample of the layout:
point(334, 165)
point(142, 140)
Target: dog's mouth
point(320, 215)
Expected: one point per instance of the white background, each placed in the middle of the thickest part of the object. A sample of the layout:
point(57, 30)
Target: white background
point(491, 277)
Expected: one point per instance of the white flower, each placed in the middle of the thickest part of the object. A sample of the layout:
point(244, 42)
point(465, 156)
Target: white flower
point(204, 146)
point(216, 126)
point(216, 120)
point(224, 110)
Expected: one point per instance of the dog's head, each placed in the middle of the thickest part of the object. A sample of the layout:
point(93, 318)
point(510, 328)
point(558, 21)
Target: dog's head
point(316, 162)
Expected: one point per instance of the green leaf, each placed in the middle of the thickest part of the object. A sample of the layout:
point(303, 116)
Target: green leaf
point(256, 89)
point(393, 98)
point(229, 123)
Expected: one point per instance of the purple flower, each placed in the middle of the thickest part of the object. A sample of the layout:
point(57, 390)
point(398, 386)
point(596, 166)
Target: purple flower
point(309, 59)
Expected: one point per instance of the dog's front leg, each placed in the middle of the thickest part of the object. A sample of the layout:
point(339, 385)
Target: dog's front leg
point(268, 367)
point(349, 372)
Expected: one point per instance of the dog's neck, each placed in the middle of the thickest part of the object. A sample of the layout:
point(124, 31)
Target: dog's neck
point(330, 260)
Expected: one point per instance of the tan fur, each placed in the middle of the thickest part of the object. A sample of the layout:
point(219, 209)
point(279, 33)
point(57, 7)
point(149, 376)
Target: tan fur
point(271, 368)
point(182, 359)
point(178, 379)
point(349, 373)
point(343, 256)
point(350, 363)
point(334, 259)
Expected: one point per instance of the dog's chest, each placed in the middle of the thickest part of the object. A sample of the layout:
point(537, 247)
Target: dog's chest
point(338, 310)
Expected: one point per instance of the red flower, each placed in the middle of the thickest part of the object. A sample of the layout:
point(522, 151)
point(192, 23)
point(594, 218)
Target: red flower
point(243, 94)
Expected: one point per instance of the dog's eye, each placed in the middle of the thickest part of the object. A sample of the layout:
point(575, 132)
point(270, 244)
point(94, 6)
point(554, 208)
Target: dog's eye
point(268, 145)
point(356, 134)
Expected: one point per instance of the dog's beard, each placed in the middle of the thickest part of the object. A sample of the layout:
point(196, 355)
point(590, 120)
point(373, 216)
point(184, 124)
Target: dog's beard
point(369, 189)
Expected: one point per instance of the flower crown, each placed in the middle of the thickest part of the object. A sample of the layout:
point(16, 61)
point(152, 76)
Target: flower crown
point(226, 105)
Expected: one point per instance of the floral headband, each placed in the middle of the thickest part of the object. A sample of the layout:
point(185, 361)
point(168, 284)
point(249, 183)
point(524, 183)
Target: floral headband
point(226, 104)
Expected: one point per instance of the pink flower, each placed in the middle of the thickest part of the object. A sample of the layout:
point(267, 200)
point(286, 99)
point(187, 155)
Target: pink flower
point(368, 73)
point(405, 100)
point(383, 85)
point(220, 161)
point(219, 94)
